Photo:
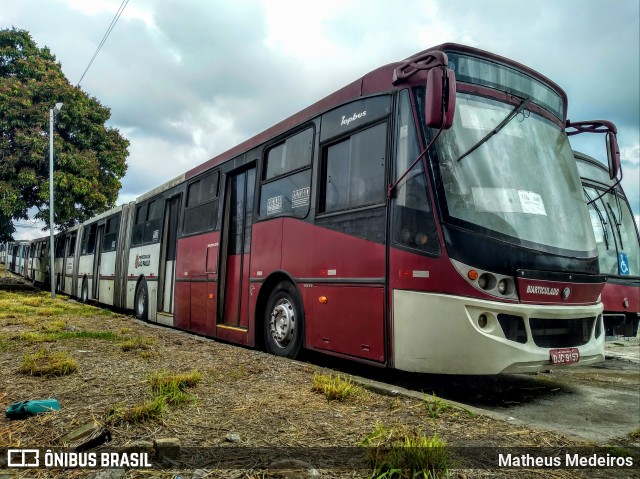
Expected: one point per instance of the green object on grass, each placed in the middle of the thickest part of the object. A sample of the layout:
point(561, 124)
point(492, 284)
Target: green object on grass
point(25, 409)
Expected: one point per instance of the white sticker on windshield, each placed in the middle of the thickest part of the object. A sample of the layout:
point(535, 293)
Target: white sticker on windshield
point(531, 203)
point(597, 226)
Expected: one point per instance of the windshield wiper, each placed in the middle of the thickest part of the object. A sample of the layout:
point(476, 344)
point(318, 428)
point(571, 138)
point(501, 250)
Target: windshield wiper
point(521, 106)
point(605, 234)
point(615, 222)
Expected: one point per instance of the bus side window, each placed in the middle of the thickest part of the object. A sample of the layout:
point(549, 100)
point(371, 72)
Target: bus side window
point(111, 233)
point(354, 170)
point(89, 239)
point(286, 187)
point(201, 209)
point(413, 221)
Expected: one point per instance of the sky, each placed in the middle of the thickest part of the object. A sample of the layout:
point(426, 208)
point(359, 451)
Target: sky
point(188, 79)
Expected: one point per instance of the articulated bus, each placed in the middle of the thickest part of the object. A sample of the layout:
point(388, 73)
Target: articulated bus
point(428, 217)
point(618, 246)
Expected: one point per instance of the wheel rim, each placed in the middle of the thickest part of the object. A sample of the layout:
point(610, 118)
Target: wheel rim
point(282, 323)
point(141, 301)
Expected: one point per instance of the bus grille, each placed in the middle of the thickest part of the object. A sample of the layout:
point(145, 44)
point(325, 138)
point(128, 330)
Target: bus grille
point(513, 327)
point(561, 333)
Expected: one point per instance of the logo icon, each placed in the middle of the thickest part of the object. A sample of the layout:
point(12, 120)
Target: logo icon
point(566, 292)
point(23, 458)
point(623, 263)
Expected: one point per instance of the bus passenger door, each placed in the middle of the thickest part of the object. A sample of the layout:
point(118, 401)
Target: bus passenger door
point(233, 309)
point(97, 256)
point(168, 256)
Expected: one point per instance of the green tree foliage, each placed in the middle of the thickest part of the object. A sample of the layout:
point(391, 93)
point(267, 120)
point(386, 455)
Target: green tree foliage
point(89, 157)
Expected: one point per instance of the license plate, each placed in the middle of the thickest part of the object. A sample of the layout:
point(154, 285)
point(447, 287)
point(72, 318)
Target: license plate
point(564, 356)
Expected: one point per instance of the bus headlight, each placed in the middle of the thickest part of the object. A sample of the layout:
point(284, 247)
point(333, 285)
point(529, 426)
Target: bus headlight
point(505, 286)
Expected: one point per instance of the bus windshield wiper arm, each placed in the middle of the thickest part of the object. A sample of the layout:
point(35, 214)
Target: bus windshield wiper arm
point(523, 104)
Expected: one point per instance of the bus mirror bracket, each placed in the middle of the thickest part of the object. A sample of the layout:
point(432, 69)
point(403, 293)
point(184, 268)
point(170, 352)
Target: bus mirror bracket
point(440, 93)
point(611, 140)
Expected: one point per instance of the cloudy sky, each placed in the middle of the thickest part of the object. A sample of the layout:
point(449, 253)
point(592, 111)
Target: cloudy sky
point(188, 79)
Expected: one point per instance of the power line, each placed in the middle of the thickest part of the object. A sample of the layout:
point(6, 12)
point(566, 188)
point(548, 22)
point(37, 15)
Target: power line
point(104, 38)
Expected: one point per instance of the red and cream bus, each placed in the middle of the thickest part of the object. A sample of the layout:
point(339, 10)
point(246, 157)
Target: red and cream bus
point(428, 216)
point(618, 245)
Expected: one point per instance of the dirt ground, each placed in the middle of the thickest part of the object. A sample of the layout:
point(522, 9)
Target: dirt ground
point(246, 399)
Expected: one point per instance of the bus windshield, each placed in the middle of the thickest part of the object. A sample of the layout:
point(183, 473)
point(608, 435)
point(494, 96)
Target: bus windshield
point(616, 236)
point(522, 183)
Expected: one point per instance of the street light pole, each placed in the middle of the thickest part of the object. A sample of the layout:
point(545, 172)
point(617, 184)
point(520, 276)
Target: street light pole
point(52, 249)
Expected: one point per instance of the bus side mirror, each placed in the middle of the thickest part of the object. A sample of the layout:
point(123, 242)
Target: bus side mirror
point(440, 98)
point(613, 155)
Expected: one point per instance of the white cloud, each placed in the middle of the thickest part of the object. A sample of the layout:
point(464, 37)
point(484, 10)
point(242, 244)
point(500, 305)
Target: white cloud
point(187, 79)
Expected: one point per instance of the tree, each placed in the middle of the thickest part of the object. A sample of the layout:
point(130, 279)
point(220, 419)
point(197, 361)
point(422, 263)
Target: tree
point(89, 156)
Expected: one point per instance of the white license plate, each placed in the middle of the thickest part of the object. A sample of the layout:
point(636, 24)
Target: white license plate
point(564, 356)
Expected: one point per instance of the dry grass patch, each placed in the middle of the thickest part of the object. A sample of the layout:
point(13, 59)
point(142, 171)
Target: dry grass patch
point(167, 389)
point(50, 337)
point(137, 344)
point(336, 387)
point(48, 364)
point(173, 386)
point(54, 326)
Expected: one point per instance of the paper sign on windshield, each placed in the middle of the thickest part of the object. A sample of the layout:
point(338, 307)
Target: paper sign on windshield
point(531, 203)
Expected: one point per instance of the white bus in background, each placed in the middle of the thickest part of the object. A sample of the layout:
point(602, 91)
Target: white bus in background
point(22, 257)
point(3, 253)
point(39, 261)
point(98, 262)
point(16, 252)
point(66, 242)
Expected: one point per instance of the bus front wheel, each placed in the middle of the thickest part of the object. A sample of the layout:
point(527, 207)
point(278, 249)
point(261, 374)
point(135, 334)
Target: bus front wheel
point(284, 321)
point(142, 301)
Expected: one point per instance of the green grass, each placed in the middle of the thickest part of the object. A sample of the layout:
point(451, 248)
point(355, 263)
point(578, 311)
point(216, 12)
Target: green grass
point(336, 388)
point(166, 389)
point(435, 406)
point(25, 306)
point(404, 453)
point(173, 386)
point(48, 364)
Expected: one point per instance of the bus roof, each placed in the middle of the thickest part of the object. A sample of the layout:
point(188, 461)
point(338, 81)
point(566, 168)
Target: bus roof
point(376, 81)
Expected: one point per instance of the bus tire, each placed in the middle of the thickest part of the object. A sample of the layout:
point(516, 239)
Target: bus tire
point(84, 292)
point(284, 321)
point(142, 301)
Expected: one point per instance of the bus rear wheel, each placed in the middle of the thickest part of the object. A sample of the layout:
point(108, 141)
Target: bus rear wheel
point(142, 301)
point(284, 321)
